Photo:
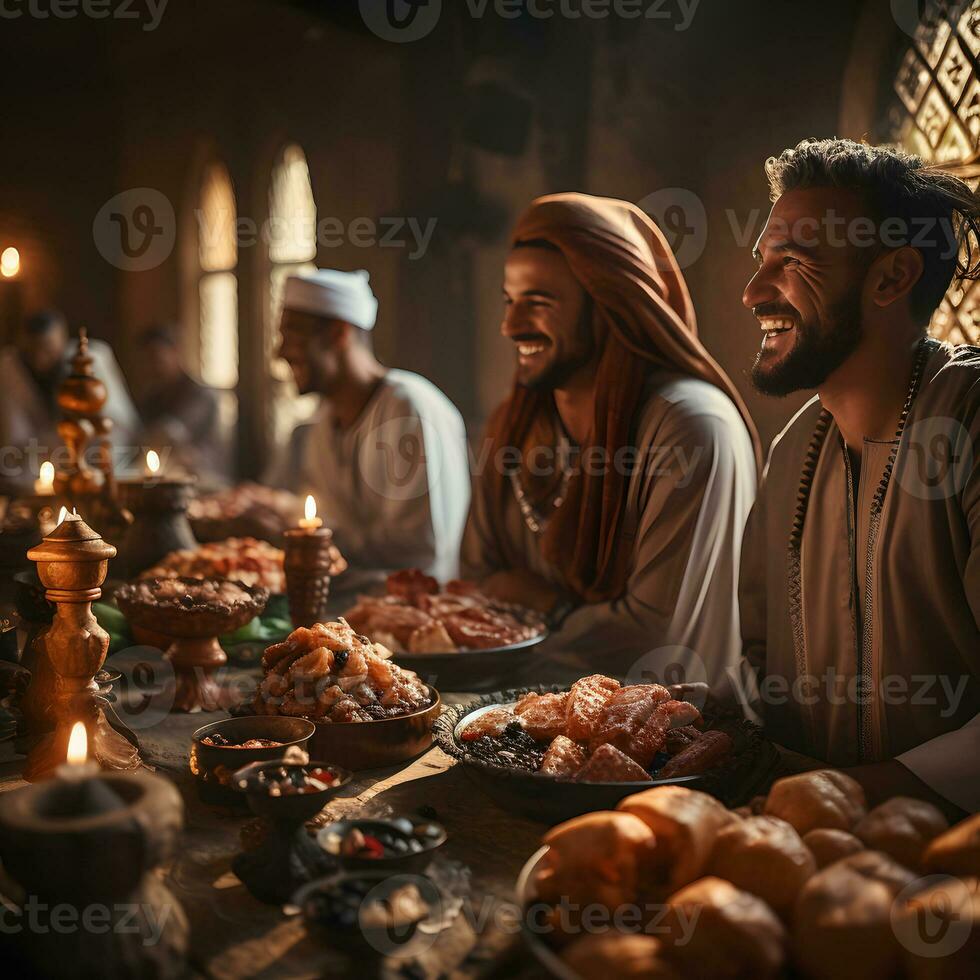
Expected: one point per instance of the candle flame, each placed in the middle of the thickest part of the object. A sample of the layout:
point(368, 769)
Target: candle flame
point(78, 744)
point(46, 473)
point(153, 461)
point(9, 262)
point(310, 507)
point(62, 514)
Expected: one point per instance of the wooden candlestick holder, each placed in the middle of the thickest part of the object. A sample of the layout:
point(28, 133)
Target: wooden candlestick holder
point(72, 563)
point(311, 560)
point(81, 397)
point(93, 844)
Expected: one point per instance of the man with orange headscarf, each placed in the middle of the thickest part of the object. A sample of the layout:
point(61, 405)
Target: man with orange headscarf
point(616, 478)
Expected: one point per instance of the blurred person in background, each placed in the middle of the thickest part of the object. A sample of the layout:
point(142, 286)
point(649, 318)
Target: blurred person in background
point(385, 456)
point(180, 415)
point(32, 372)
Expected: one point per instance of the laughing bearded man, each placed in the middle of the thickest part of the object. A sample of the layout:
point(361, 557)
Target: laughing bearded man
point(860, 579)
point(618, 473)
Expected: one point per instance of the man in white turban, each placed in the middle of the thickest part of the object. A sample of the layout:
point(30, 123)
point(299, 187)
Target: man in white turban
point(385, 455)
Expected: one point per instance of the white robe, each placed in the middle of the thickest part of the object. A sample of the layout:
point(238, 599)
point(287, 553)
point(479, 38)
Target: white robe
point(395, 486)
point(678, 618)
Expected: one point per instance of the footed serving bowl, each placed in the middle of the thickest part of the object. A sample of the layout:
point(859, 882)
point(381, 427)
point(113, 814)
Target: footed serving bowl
point(194, 613)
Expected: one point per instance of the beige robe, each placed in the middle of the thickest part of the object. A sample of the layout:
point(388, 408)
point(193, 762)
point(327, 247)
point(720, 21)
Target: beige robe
point(898, 612)
point(685, 513)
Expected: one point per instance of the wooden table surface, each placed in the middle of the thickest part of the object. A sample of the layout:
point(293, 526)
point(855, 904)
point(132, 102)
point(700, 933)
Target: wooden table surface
point(234, 935)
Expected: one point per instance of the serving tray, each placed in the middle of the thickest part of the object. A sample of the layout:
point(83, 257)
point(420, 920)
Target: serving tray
point(550, 800)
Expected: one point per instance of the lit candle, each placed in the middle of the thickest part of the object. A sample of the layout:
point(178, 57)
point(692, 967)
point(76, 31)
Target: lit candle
point(310, 522)
point(9, 262)
point(152, 462)
point(77, 767)
point(44, 484)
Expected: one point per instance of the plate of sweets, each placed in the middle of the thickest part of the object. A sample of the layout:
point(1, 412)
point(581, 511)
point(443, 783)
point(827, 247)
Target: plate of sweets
point(810, 880)
point(553, 752)
point(455, 633)
point(368, 710)
point(246, 560)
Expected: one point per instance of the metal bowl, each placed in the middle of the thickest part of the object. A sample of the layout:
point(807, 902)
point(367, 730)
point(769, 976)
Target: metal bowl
point(473, 670)
point(215, 765)
point(551, 800)
point(359, 745)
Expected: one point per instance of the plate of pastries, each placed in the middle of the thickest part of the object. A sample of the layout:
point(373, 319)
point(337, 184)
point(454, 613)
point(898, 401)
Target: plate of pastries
point(551, 752)
point(454, 632)
point(807, 881)
point(246, 560)
point(368, 710)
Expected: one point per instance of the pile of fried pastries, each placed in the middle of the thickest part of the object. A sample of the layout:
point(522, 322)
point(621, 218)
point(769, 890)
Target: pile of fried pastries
point(805, 882)
point(600, 731)
point(246, 560)
point(329, 672)
point(416, 616)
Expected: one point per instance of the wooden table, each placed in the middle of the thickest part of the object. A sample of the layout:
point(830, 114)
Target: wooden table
point(236, 936)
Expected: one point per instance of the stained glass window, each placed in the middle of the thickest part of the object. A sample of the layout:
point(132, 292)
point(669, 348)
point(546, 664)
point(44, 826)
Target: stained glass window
point(291, 236)
point(936, 114)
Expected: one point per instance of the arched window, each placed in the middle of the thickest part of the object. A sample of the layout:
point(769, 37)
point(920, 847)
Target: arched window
point(936, 114)
point(218, 286)
point(292, 248)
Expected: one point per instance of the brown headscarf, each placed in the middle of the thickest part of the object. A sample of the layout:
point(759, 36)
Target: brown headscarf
point(642, 319)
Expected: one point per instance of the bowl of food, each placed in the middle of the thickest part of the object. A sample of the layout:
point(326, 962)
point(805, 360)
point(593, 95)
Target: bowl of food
point(370, 913)
point(368, 712)
point(194, 612)
point(290, 788)
point(456, 635)
point(396, 845)
point(549, 753)
point(220, 749)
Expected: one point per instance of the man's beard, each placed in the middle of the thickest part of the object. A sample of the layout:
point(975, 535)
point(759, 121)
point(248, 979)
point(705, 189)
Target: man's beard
point(556, 374)
point(815, 355)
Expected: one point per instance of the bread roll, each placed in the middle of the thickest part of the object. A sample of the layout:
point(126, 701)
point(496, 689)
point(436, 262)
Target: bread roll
point(630, 956)
point(828, 845)
point(594, 858)
point(956, 852)
point(901, 827)
point(715, 930)
point(939, 929)
point(842, 926)
point(823, 798)
point(685, 824)
point(764, 856)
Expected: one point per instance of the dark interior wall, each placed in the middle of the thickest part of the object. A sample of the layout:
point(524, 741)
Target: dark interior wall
point(620, 108)
point(59, 139)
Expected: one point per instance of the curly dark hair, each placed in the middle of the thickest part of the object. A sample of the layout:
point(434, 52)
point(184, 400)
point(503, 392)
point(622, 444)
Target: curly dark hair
point(924, 199)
